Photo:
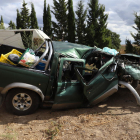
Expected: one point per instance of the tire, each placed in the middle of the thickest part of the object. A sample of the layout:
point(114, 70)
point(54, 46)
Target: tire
point(135, 83)
point(22, 102)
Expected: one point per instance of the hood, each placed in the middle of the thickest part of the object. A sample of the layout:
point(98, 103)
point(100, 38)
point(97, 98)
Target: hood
point(70, 49)
point(77, 50)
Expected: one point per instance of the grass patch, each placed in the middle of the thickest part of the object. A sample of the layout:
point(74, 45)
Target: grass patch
point(122, 49)
point(53, 130)
point(8, 136)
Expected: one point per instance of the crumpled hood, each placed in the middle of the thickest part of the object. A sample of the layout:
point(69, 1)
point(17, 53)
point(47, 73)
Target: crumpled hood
point(70, 49)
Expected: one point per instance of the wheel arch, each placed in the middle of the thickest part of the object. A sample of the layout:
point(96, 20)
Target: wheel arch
point(23, 86)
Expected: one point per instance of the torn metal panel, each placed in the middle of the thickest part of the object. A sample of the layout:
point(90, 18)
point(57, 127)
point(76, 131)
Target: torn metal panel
point(133, 70)
point(70, 49)
point(105, 95)
point(68, 95)
point(101, 85)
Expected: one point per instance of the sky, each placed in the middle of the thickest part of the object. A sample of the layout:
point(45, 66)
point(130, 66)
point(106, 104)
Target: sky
point(120, 13)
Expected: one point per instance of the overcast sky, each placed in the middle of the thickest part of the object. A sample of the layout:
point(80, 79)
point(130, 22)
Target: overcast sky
point(120, 19)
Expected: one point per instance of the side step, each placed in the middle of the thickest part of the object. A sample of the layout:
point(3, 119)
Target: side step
point(47, 104)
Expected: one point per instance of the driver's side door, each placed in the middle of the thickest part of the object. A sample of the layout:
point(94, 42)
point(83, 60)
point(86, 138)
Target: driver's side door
point(102, 85)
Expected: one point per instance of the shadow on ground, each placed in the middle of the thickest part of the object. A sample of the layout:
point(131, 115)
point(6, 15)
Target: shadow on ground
point(121, 103)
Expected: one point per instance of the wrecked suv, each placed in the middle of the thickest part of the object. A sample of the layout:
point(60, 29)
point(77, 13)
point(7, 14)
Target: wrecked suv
point(73, 76)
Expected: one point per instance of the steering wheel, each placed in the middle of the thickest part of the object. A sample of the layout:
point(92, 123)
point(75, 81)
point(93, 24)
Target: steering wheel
point(43, 55)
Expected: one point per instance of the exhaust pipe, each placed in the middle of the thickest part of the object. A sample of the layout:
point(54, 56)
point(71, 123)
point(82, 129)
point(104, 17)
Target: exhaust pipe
point(134, 92)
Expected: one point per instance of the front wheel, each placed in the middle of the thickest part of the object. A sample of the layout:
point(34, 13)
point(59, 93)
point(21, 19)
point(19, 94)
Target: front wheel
point(22, 101)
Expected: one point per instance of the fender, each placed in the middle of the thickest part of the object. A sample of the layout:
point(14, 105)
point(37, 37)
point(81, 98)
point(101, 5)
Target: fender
point(25, 86)
point(133, 91)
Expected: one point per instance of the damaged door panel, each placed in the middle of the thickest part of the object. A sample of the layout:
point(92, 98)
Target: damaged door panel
point(129, 69)
point(102, 85)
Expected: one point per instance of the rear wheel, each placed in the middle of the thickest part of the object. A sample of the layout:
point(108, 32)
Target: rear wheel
point(22, 101)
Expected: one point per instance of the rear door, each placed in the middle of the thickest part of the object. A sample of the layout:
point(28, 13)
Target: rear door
point(102, 85)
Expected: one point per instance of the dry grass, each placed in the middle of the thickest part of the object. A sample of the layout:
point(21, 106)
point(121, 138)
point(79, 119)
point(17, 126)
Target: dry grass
point(52, 131)
point(122, 49)
point(115, 119)
point(9, 134)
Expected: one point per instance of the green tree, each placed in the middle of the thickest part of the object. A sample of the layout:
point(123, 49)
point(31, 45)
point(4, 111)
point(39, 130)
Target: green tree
point(2, 23)
point(25, 16)
point(60, 12)
point(18, 20)
point(34, 23)
point(71, 22)
point(80, 22)
point(101, 39)
point(97, 25)
point(115, 39)
point(45, 18)
point(27, 39)
point(1, 20)
point(129, 47)
point(90, 35)
point(48, 22)
point(136, 36)
point(12, 25)
point(1, 26)
point(92, 23)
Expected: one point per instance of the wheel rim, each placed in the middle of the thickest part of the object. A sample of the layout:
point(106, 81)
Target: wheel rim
point(22, 101)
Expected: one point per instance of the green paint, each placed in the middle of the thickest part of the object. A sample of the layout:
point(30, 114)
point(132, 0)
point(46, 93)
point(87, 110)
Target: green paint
point(62, 83)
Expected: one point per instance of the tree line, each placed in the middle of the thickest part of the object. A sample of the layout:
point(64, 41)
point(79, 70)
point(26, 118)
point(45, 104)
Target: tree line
point(86, 25)
point(134, 47)
point(1, 23)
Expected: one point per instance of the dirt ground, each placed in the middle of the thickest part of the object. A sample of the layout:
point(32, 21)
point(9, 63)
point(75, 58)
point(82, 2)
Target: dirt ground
point(115, 119)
